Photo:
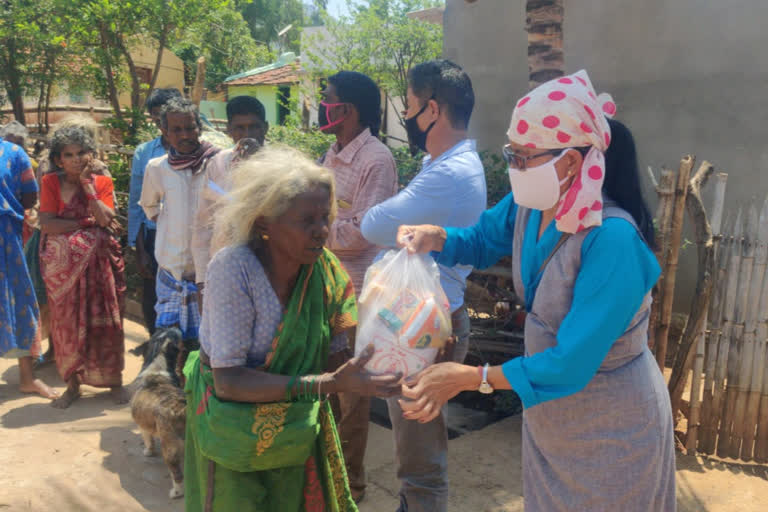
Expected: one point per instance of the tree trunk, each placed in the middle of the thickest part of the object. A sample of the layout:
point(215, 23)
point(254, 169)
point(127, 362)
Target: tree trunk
point(135, 84)
point(13, 83)
point(159, 59)
point(111, 86)
point(48, 105)
point(544, 24)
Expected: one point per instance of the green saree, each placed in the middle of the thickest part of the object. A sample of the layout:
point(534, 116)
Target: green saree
point(280, 456)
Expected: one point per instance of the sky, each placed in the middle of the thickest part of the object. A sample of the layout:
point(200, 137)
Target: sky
point(337, 7)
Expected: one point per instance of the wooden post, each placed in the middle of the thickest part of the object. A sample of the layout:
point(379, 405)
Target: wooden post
point(670, 269)
point(751, 290)
point(197, 90)
point(666, 192)
point(750, 420)
point(544, 24)
point(761, 441)
point(716, 311)
point(737, 338)
point(696, 318)
point(698, 363)
point(729, 309)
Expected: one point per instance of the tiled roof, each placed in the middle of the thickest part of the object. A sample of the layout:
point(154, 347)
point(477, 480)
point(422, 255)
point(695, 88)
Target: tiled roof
point(288, 74)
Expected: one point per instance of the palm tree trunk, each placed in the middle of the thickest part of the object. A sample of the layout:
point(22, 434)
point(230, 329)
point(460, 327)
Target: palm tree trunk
point(544, 24)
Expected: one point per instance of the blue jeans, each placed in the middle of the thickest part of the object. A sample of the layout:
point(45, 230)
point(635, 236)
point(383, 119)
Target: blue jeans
point(421, 449)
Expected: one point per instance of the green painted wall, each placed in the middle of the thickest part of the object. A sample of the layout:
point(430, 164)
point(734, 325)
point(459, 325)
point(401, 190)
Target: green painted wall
point(267, 94)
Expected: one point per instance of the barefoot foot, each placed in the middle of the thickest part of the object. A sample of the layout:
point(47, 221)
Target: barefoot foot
point(69, 396)
point(39, 387)
point(120, 395)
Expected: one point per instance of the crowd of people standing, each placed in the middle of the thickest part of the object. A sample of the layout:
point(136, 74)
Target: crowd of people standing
point(257, 252)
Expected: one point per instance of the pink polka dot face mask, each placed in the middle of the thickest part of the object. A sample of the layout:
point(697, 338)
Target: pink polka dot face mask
point(564, 113)
point(537, 187)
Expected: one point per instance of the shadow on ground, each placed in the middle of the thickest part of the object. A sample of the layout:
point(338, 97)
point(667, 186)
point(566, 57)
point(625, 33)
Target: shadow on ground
point(88, 406)
point(146, 479)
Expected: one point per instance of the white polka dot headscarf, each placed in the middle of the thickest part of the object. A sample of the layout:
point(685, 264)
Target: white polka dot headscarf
point(564, 113)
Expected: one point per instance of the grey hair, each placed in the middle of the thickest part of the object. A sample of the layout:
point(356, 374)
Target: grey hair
point(87, 123)
point(63, 137)
point(179, 106)
point(264, 187)
point(15, 129)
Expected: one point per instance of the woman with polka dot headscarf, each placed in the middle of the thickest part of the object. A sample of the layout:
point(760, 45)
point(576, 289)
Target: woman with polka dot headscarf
point(597, 425)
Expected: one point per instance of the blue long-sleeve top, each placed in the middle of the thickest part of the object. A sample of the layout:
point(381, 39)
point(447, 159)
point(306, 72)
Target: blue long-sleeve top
point(617, 271)
point(136, 216)
point(449, 190)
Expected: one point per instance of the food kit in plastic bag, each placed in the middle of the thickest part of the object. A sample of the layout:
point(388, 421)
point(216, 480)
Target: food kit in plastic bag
point(403, 312)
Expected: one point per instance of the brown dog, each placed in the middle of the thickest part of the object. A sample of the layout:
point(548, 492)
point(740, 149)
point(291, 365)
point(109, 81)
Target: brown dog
point(158, 406)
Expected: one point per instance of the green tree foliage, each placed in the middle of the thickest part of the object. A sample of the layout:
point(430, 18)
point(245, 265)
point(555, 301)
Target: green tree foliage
point(113, 28)
point(34, 43)
point(266, 18)
point(377, 39)
point(224, 39)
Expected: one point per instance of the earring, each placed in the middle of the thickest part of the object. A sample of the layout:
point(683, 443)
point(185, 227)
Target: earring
point(265, 237)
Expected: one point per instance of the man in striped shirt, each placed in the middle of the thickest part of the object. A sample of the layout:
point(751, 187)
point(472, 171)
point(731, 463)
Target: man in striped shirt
point(365, 175)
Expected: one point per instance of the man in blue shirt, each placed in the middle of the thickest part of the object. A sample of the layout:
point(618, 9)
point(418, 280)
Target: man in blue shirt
point(450, 191)
point(141, 230)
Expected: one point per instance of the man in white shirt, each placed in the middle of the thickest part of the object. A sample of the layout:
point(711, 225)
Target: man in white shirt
point(248, 126)
point(169, 197)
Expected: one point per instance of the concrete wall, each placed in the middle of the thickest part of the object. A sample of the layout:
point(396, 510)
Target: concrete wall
point(688, 76)
point(488, 40)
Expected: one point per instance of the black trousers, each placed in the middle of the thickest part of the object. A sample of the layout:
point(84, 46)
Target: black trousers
point(149, 295)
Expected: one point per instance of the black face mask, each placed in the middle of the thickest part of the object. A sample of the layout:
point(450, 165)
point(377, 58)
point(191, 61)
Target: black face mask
point(322, 116)
point(416, 137)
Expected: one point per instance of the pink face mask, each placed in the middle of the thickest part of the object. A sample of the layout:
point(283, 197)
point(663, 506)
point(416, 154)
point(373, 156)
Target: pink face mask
point(323, 116)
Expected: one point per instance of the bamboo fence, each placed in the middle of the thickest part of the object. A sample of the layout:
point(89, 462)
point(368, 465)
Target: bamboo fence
point(728, 415)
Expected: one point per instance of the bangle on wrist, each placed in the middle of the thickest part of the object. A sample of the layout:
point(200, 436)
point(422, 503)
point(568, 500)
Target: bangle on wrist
point(91, 197)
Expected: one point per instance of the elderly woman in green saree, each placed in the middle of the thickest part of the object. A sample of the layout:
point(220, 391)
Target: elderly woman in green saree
point(276, 309)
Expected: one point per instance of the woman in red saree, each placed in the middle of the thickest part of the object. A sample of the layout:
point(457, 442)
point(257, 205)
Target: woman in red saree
point(82, 267)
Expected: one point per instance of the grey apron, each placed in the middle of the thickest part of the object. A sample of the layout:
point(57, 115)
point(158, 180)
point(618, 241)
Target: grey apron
point(610, 446)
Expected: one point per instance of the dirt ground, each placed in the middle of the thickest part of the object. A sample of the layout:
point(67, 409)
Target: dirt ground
point(88, 458)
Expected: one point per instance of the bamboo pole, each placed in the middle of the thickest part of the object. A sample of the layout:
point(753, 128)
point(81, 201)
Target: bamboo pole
point(729, 308)
point(761, 335)
point(761, 443)
point(698, 364)
point(666, 192)
point(716, 312)
point(670, 269)
point(705, 271)
point(751, 290)
point(197, 89)
point(737, 340)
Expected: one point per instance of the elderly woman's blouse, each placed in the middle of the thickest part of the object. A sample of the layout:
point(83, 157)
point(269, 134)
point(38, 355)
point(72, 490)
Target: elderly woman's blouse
point(618, 269)
point(241, 312)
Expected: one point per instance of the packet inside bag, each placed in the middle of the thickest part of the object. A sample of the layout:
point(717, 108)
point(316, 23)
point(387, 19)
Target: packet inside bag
point(403, 312)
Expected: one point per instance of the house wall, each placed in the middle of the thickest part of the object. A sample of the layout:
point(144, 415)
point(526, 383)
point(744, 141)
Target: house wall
point(267, 94)
point(688, 77)
point(170, 74)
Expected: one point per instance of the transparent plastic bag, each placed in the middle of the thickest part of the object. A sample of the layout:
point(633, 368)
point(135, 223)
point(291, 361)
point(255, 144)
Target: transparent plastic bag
point(403, 312)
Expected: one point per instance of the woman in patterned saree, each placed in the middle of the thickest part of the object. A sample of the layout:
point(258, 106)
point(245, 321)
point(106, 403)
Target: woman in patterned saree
point(82, 267)
point(276, 308)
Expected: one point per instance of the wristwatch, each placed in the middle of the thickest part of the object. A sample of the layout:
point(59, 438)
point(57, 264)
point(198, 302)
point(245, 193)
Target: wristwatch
point(485, 386)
